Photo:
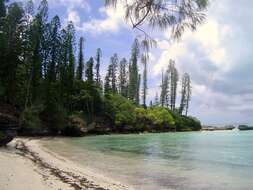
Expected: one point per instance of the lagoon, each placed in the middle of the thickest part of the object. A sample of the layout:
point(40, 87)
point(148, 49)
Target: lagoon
point(195, 160)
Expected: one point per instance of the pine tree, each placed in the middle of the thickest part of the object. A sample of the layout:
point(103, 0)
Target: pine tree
point(169, 86)
point(62, 68)
point(164, 89)
point(137, 96)
point(133, 72)
point(188, 94)
point(183, 93)
point(40, 49)
point(173, 84)
point(71, 56)
point(97, 67)
point(2, 8)
point(156, 99)
point(52, 96)
point(27, 54)
point(114, 63)
point(145, 86)
point(89, 71)
point(123, 77)
point(79, 72)
point(3, 30)
point(163, 14)
point(54, 47)
point(68, 64)
point(11, 50)
point(108, 80)
point(111, 76)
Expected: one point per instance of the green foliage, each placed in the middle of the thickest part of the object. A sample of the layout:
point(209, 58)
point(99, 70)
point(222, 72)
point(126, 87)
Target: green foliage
point(160, 116)
point(185, 123)
point(87, 97)
point(145, 83)
point(133, 89)
point(111, 76)
point(123, 77)
point(157, 117)
point(161, 14)
point(97, 67)
point(2, 135)
point(89, 70)
point(11, 48)
point(169, 87)
point(80, 67)
point(2, 8)
point(53, 114)
point(108, 80)
point(119, 110)
point(30, 119)
point(185, 94)
point(54, 118)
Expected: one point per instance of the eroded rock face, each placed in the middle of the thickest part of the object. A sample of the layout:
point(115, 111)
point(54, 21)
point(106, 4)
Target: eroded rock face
point(9, 123)
point(76, 127)
point(7, 136)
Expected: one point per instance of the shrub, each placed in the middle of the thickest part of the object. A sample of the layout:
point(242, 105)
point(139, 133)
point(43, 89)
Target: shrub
point(2, 135)
point(154, 117)
point(30, 120)
point(160, 116)
point(184, 123)
point(141, 113)
point(54, 118)
point(119, 110)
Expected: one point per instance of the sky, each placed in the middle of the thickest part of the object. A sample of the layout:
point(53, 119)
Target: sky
point(218, 56)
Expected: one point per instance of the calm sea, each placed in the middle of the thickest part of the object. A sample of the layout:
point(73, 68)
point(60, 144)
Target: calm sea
point(197, 160)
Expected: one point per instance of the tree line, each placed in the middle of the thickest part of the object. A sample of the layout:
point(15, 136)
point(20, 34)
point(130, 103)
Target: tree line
point(169, 87)
point(40, 74)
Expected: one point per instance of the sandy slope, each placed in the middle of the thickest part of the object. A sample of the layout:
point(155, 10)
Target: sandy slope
point(26, 165)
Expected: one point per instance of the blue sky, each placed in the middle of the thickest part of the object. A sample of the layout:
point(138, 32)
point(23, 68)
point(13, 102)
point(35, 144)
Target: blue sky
point(218, 56)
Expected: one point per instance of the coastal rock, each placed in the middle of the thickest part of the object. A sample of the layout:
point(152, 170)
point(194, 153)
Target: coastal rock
point(98, 128)
point(218, 128)
point(76, 127)
point(245, 127)
point(7, 136)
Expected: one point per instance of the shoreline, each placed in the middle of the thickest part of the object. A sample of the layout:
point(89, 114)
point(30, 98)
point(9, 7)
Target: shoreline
point(45, 169)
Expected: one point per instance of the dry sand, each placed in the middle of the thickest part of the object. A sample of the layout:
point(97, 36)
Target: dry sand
point(27, 165)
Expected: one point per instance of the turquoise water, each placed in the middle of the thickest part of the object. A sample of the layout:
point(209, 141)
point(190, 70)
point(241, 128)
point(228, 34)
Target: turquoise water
point(200, 160)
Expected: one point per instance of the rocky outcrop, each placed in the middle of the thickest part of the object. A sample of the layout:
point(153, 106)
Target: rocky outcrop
point(9, 123)
point(216, 128)
point(76, 127)
point(7, 136)
point(245, 128)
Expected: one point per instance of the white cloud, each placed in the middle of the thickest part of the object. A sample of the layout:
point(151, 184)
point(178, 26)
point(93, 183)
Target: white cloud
point(113, 21)
point(169, 51)
point(73, 16)
point(208, 38)
point(71, 4)
point(218, 56)
point(71, 7)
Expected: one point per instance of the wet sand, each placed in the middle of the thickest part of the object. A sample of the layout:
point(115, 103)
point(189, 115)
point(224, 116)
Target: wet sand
point(26, 165)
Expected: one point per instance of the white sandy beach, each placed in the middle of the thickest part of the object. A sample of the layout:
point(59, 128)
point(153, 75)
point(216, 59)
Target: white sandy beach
point(26, 165)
